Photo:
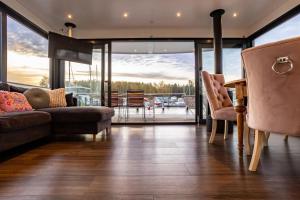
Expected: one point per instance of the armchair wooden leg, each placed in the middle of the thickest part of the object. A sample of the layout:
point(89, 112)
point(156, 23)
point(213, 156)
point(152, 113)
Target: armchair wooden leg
point(247, 142)
point(94, 137)
point(225, 130)
point(266, 140)
point(258, 144)
point(286, 137)
point(213, 132)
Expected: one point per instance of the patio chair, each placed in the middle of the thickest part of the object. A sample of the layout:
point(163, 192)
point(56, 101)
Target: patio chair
point(135, 99)
point(116, 101)
point(273, 91)
point(189, 101)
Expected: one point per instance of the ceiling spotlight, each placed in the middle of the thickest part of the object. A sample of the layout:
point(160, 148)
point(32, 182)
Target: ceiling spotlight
point(70, 16)
point(178, 14)
point(234, 14)
point(125, 15)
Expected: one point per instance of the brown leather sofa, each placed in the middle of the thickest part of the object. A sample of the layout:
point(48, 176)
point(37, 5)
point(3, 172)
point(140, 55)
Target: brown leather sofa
point(22, 127)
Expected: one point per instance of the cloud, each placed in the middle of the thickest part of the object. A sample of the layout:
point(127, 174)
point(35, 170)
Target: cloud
point(25, 41)
point(147, 75)
point(178, 61)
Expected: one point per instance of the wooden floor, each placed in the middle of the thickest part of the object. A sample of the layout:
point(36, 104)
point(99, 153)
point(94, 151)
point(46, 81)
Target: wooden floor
point(151, 162)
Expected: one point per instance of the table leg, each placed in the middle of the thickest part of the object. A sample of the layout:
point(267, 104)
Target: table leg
point(240, 110)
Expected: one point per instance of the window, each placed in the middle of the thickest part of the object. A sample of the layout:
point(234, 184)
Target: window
point(232, 64)
point(232, 68)
point(84, 81)
point(27, 56)
point(287, 29)
point(164, 71)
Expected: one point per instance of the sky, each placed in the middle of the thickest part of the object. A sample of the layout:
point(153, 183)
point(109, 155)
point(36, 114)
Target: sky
point(27, 55)
point(288, 29)
point(28, 59)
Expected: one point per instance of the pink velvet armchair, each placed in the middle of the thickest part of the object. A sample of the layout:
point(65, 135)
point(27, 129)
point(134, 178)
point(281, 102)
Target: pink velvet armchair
point(273, 78)
point(219, 102)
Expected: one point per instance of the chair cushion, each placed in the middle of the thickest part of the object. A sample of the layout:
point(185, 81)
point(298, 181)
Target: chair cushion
point(38, 98)
point(80, 114)
point(20, 120)
point(226, 113)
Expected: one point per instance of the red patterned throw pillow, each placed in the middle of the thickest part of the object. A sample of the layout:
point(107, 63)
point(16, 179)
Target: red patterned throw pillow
point(13, 102)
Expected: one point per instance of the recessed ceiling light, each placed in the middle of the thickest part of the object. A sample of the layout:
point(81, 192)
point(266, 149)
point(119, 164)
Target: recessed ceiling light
point(234, 14)
point(178, 14)
point(70, 16)
point(125, 15)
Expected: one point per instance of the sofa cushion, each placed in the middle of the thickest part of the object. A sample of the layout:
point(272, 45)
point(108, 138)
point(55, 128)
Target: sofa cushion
point(4, 86)
point(80, 114)
point(69, 99)
point(21, 120)
point(57, 98)
point(13, 88)
point(13, 102)
point(38, 98)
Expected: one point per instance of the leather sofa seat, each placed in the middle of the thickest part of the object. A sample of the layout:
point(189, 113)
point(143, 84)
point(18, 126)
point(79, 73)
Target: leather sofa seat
point(21, 120)
point(79, 114)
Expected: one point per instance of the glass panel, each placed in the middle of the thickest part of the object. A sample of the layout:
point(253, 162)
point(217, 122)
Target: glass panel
point(84, 81)
point(27, 56)
point(163, 71)
point(106, 74)
point(287, 29)
point(208, 63)
point(232, 66)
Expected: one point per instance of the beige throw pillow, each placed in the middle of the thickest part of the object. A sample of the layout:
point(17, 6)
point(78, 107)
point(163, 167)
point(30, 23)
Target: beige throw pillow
point(57, 98)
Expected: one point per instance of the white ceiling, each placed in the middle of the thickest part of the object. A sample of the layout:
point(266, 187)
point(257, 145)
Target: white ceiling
point(152, 47)
point(101, 18)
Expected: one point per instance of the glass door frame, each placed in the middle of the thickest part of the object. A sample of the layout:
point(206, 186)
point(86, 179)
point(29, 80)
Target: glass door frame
point(105, 47)
point(199, 45)
point(154, 40)
point(202, 44)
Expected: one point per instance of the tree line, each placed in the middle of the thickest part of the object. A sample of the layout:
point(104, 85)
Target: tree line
point(123, 86)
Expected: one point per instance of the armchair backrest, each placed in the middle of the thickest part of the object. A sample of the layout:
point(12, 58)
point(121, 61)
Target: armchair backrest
point(274, 98)
point(217, 94)
point(115, 98)
point(135, 98)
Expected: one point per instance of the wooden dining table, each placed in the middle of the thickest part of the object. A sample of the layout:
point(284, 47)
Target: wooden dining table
point(240, 87)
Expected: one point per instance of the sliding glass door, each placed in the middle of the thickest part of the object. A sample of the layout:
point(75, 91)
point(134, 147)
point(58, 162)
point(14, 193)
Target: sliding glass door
point(163, 73)
point(84, 81)
point(232, 69)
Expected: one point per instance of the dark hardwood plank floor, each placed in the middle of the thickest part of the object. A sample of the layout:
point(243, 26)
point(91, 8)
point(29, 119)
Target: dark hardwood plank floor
point(151, 162)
